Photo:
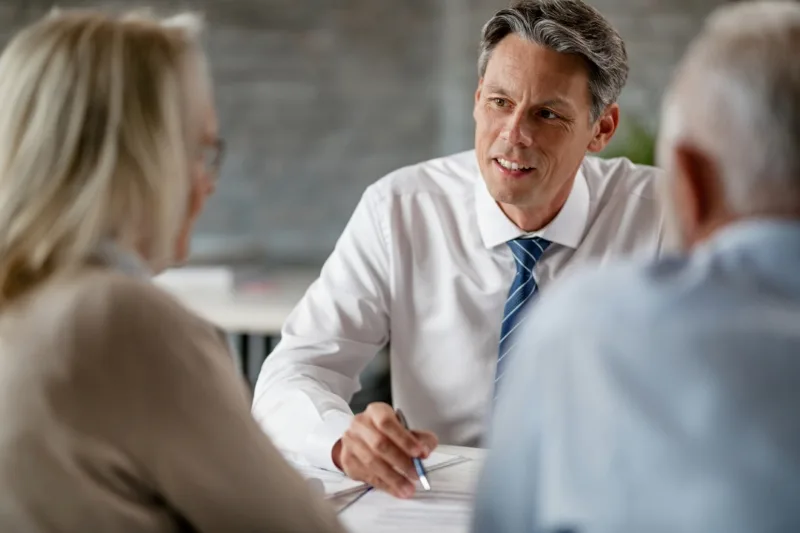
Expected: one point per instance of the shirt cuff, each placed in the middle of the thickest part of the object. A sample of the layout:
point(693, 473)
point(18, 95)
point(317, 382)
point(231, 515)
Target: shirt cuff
point(319, 444)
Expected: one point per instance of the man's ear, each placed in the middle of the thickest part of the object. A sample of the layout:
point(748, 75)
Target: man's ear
point(604, 128)
point(698, 190)
point(477, 99)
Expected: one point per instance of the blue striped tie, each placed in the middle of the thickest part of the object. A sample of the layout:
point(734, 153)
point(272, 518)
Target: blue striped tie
point(526, 253)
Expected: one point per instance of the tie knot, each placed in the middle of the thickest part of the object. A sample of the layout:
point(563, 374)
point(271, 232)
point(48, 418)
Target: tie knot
point(528, 251)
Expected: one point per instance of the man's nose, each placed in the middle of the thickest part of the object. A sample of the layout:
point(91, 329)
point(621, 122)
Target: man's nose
point(517, 131)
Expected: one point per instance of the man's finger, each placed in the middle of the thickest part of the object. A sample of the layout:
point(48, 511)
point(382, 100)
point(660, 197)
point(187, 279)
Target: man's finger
point(377, 470)
point(356, 470)
point(379, 484)
point(385, 448)
point(384, 418)
point(429, 441)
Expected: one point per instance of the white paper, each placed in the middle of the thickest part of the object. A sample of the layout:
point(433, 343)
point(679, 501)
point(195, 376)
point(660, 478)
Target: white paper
point(445, 509)
point(337, 484)
point(332, 483)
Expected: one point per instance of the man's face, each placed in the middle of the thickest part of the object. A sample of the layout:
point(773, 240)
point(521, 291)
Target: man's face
point(533, 124)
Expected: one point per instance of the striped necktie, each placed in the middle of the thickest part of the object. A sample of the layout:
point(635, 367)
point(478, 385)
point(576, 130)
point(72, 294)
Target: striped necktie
point(526, 253)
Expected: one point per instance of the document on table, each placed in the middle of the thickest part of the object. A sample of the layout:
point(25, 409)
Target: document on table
point(445, 509)
point(337, 484)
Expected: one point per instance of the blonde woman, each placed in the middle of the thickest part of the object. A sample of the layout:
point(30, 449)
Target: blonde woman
point(119, 410)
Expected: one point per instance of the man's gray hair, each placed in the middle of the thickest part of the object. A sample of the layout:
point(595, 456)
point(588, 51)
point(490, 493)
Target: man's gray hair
point(569, 27)
point(737, 97)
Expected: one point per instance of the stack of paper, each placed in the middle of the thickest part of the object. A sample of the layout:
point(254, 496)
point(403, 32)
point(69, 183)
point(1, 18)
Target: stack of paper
point(337, 484)
point(447, 508)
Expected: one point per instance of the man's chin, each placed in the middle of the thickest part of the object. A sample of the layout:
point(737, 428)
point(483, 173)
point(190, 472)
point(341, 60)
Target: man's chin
point(505, 194)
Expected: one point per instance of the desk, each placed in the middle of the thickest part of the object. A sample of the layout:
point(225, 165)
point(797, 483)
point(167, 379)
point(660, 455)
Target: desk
point(460, 478)
point(258, 304)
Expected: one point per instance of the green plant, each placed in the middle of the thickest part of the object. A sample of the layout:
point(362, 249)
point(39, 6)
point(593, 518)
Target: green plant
point(638, 145)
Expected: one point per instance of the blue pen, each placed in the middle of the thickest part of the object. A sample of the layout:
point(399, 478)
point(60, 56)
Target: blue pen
point(423, 476)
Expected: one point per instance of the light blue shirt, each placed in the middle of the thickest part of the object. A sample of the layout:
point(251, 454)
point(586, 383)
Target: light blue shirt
point(657, 398)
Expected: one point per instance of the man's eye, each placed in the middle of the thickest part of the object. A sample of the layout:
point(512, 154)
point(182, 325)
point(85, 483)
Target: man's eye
point(499, 102)
point(547, 114)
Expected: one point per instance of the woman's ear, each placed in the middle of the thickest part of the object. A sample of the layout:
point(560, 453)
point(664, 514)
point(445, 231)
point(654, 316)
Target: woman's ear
point(197, 198)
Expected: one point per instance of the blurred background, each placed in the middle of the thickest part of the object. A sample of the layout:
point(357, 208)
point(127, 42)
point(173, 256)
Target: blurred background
point(318, 99)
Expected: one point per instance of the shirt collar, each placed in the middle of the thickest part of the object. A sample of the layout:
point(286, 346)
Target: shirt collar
point(111, 254)
point(566, 228)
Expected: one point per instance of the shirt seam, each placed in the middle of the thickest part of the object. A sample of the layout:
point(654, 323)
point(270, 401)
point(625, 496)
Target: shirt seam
point(380, 197)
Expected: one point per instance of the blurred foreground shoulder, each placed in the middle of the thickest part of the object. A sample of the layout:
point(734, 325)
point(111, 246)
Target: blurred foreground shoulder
point(131, 307)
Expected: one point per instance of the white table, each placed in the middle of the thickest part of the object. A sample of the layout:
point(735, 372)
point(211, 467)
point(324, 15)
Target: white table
point(458, 480)
point(259, 306)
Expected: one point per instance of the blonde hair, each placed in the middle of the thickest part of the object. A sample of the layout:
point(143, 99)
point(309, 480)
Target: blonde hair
point(95, 140)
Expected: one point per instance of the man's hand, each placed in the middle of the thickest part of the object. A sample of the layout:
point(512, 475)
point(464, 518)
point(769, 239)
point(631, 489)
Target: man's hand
point(377, 449)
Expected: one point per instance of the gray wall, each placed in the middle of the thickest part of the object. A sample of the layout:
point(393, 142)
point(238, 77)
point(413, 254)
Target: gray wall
point(319, 99)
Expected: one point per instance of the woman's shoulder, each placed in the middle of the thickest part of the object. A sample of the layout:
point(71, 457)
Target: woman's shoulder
point(113, 293)
point(101, 326)
point(106, 300)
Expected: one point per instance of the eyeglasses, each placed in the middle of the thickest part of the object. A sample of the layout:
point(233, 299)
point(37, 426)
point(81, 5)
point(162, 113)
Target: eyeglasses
point(212, 154)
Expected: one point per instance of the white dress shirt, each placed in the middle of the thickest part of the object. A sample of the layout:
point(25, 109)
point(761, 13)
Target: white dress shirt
point(423, 265)
point(658, 397)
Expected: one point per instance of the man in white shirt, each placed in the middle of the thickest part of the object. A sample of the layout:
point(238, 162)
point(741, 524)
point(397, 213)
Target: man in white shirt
point(441, 259)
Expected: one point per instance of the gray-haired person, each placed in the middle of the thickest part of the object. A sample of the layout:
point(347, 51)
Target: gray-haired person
point(661, 396)
point(442, 259)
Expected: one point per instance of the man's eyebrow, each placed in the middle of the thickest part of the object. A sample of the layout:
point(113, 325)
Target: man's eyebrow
point(557, 101)
point(496, 89)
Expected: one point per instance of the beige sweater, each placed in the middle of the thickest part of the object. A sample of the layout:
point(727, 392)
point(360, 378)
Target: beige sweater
point(122, 412)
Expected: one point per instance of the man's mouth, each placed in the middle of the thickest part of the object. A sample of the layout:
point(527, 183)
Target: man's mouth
point(513, 168)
